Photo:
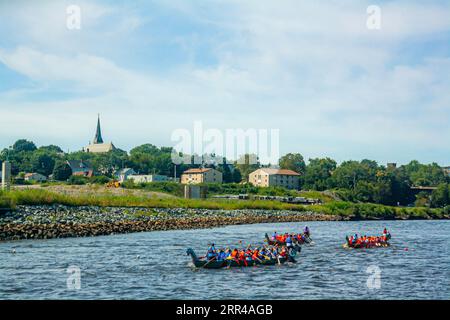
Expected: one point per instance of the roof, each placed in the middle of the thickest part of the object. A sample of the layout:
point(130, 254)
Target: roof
point(124, 171)
point(79, 164)
point(98, 133)
point(284, 172)
point(197, 170)
point(30, 174)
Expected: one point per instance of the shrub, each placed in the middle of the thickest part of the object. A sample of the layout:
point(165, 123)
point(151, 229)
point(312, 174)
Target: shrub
point(99, 179)
point(78, 180)
point(6, 202)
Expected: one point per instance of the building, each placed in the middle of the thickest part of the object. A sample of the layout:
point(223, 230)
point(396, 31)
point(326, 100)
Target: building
point(35, 177)
point(201, 175)
point(145, 178)
point(123, 174)
point(391, 165)
point(268, 177)
point(98, 146)
point(81, 168)
point(446, 170)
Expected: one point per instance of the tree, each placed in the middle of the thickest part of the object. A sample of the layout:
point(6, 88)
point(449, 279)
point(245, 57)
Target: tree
point(237, 176)
point(24, 145)
point(349, 173)
point(318, 174)
point(62, 171)
point(424, 175)
point(293, 161)
point(51, 149)
point(227, 176)
point(42, 163)
point(440, 196)
point(247, 164)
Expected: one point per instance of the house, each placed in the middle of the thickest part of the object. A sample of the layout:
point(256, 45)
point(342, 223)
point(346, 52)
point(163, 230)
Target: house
point(98, 146)
point(145, 178)
point(268, 177)
point(446, 170)
point(201, 175)
point(123, 174)
point(35, 177)
point(80, 168)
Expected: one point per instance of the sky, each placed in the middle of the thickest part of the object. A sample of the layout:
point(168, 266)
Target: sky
point(312, 69)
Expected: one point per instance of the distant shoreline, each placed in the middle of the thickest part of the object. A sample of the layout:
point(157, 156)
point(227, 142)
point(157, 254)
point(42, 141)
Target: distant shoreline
point(59, 221)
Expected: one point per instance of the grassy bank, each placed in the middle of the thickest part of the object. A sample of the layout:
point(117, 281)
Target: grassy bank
point(375, 211)
point(177, 189)
point(346, 210)
point(45, 197)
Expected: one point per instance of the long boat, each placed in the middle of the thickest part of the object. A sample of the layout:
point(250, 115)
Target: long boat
point(218, 264)
point(379, 244)
point(283, 243)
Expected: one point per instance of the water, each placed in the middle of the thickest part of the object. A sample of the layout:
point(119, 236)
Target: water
point(153, 265)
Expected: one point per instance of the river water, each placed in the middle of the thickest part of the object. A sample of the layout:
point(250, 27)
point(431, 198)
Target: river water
point(153, 265)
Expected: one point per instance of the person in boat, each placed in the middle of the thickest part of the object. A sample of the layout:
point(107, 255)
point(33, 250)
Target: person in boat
point(306, 231)
point(355, 239)
point(221, 255)
point(289, 243)
point(284, 252)
point(211, 253)
point(274, 236)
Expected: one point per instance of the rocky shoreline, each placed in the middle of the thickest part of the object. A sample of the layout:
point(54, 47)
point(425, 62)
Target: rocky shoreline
point(58, 221)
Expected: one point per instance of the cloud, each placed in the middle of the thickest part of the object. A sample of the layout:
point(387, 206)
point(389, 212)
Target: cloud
point(314, 70)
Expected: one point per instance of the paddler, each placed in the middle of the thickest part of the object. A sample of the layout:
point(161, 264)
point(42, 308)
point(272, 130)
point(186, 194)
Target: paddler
point(211, 253)
point(306, 231)
point(289, 242)
point(274, 236)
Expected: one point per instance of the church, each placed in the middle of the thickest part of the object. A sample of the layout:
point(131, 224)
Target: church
point(98, 146)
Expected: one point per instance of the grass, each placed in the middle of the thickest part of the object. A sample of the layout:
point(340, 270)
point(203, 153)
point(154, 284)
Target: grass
point(377, 211)
point(45, 197)
point(340, 208)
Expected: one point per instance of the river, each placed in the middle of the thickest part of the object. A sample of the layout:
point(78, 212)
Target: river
point(153, 265)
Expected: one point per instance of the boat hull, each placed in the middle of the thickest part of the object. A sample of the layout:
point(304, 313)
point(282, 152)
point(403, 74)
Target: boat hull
point(230, 263)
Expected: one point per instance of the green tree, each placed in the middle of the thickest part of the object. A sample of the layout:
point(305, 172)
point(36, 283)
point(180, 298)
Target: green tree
point(237, 176)
point(62, 171)
point(23, 145)
point(247, 164)
point(227, 176)
point(294, 162)
point(318, 174)
point(42, 163)
point(349, 173)
point(440, 196)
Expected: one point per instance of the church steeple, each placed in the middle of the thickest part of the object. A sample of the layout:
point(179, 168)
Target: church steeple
point(98, 134)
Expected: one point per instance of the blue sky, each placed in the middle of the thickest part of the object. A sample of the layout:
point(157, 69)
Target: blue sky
point(311, 69)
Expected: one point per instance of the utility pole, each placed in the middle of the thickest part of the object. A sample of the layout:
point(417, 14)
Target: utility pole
point(6, 175)
point(6, 171)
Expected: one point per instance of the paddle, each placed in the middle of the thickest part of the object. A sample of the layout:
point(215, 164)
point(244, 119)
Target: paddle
point(209, 261)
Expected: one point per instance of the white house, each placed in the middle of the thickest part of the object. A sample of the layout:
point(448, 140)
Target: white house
point(123, 174)
point(141, 178)
point(35, 177)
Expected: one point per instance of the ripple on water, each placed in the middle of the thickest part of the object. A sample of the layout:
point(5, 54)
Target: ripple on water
point(154, 265)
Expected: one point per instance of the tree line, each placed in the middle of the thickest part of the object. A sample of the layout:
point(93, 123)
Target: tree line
point(358, 181)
